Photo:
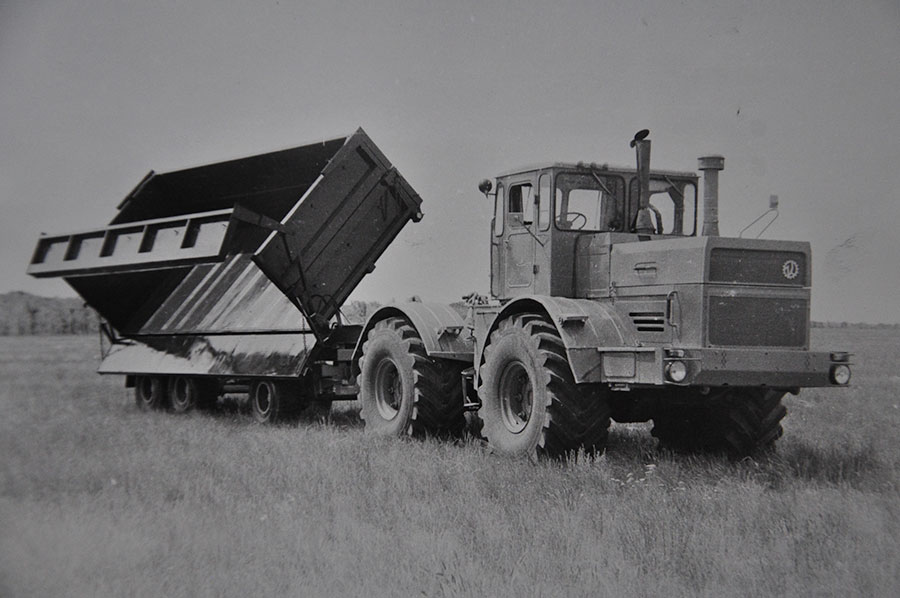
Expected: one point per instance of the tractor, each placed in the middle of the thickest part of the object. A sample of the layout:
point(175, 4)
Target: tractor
point(610, 300)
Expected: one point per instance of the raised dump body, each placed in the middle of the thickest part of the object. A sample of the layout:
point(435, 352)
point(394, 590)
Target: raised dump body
point(236, 269)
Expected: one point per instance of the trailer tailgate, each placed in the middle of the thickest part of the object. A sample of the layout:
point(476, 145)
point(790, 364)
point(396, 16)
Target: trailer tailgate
point(332, 237)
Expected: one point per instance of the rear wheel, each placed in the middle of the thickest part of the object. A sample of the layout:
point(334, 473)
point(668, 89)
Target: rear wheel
point(531, 404)
point(737, 421)
point(402, 391)
point(150, 392)
point(271, 402)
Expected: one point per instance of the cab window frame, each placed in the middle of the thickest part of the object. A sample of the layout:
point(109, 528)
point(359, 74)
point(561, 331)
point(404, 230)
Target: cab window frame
point(500, 209)
point(621, 185)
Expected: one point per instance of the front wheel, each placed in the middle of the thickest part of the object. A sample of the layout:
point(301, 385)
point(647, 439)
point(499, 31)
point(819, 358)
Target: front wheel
point(531, 404)
point(739, 422)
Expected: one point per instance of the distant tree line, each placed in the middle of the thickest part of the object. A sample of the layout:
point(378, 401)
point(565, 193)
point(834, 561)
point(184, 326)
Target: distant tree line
point(26, 314)
point(863, 325)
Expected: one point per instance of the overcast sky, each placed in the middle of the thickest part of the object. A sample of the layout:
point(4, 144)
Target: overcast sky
point(801, 97)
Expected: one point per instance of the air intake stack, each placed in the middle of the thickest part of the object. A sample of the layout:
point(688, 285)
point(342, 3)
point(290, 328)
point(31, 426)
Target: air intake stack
point(711, 165)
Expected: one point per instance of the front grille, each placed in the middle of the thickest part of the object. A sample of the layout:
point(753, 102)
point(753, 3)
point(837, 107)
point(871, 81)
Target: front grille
point(758, 321)
point(760, 267)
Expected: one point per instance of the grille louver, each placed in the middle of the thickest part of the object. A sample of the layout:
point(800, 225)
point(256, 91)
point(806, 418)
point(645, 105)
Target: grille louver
point(648, 321)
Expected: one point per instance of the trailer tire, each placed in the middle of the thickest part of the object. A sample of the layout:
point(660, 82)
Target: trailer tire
point(402, 391)
point(739, 422)
point(531, 405)
point(150, 392)
point(270, 402)
point(187, 393)
point(183, 393)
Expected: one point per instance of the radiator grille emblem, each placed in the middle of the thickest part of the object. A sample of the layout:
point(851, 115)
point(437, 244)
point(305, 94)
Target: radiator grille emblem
point(790, 269)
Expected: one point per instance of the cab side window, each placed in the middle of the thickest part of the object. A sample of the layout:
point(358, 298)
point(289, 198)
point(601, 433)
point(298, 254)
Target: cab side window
point(521, 204)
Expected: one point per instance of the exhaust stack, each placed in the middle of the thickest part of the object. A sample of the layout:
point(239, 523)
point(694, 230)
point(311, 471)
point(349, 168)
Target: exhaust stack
point(711, 165)
point(643, 223)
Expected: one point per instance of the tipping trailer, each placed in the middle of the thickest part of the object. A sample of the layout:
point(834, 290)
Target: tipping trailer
point(231, 275)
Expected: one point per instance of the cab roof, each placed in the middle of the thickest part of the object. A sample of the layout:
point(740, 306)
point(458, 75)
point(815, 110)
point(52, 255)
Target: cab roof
point(588, 166)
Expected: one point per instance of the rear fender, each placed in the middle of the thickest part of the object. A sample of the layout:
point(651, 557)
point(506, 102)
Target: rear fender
point(441, 328)
point(585, 327)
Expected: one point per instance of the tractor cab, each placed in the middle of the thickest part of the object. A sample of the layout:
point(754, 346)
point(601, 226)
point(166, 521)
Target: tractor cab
point(544, 214)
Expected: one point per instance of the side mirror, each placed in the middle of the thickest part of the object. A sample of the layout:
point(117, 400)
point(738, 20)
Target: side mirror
point(485, 186)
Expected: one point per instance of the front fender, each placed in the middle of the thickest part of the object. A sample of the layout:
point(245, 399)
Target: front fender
point(441, 328)
point(585, 327)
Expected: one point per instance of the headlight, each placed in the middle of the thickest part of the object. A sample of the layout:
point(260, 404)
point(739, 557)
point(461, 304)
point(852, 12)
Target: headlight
point(840, 374)
point(676, 371)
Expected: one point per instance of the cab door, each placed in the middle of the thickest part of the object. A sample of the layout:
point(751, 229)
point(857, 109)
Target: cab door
point(519, 242)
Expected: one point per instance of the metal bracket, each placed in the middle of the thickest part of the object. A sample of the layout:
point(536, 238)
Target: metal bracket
point(573, 320)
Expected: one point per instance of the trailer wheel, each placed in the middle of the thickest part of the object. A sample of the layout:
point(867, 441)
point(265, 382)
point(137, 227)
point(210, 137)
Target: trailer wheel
point(404, 392)
point(531, 404)
point(187, 393)
point(269, 402)
point(150, 392)
point(183, 393)
point(739, 422)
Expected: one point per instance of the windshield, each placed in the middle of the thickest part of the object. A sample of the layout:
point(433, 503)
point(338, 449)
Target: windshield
point(590, 202)
point(673, 203)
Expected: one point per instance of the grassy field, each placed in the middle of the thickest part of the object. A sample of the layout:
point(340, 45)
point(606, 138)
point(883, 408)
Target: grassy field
point(99, 499)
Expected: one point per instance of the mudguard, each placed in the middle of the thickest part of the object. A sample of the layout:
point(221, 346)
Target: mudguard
point(443, 330)
point(590, 331)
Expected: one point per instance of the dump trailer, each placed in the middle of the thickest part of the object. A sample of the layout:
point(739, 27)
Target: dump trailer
point(608, 302)
point(230, 276)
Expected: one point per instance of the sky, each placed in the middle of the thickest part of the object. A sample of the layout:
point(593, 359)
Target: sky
point(802, 97)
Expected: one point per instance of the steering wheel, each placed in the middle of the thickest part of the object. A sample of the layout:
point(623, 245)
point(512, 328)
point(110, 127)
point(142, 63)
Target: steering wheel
point(570, 222)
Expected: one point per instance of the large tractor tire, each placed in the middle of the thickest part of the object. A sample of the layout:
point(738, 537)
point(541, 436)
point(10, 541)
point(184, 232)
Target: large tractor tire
point(402, 391)
point(187, 393)
point(739, 422)
point(272, 402)
point(151, 392)
point(531, 405)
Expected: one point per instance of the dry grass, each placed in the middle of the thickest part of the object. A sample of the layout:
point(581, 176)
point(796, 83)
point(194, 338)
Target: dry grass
point(99, 499)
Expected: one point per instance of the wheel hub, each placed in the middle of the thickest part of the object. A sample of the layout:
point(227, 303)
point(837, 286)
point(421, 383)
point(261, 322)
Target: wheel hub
point(388, 389)
point(516, 397)
point(262, 398)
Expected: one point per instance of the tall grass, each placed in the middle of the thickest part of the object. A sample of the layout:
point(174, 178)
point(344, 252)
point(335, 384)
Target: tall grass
point(100, 499)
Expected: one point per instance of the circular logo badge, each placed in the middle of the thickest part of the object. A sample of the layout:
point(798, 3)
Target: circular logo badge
point(790, 269)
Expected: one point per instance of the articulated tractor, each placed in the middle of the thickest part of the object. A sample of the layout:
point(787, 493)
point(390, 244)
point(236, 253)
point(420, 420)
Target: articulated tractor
point(606, 303)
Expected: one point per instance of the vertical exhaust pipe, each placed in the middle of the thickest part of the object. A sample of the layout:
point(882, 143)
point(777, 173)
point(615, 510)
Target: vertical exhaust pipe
point(643, 223)
point(711, 165)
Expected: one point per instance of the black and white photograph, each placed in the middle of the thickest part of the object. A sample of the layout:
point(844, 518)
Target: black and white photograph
point(450, 299)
